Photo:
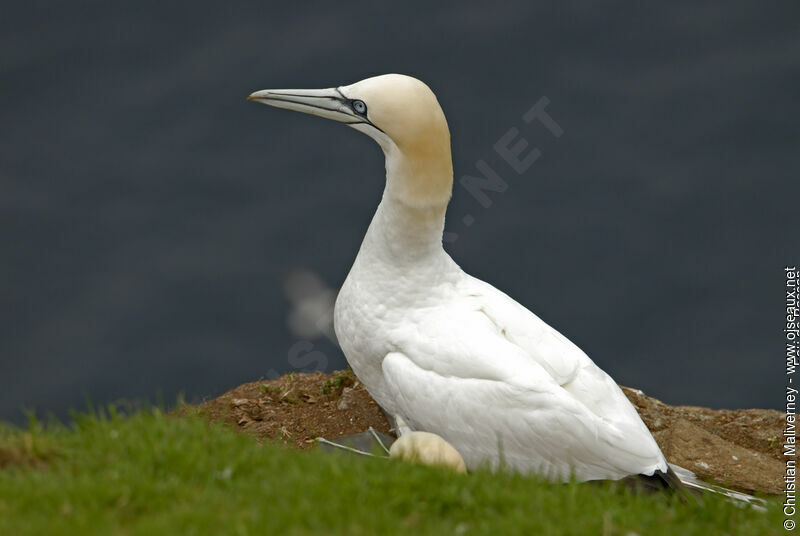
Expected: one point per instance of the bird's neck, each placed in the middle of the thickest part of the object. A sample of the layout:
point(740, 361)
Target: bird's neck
point(401, 233)
point(405, 235)
point(420, 174)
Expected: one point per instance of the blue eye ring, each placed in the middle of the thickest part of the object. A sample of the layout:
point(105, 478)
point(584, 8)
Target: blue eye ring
point(359, 107)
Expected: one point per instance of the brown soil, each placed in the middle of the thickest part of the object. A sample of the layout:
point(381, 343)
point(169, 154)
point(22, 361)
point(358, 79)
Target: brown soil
point(297, 408)
point(740, 449)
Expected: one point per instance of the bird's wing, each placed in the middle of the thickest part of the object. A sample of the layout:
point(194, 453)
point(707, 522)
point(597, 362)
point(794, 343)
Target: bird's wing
point(567, 364)
point(467, 372)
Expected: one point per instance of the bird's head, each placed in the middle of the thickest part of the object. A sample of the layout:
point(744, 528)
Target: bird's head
point(402, 114)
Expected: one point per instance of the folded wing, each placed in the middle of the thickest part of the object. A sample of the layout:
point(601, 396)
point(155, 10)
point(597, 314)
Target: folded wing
point(504, 387)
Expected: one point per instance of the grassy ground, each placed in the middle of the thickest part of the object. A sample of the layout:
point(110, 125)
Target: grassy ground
point(154, 474)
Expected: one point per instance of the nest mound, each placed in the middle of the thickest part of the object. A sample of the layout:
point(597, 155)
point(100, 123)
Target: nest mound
point(740, 449)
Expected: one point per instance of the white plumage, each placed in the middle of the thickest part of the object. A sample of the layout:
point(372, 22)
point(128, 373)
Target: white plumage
point(449, 354)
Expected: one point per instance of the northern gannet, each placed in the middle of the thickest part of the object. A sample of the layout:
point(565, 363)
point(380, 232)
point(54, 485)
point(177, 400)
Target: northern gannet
point(444, 352)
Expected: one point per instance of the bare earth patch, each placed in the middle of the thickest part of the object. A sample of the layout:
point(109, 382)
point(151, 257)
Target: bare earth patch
point(740, 449)
point(296, 408)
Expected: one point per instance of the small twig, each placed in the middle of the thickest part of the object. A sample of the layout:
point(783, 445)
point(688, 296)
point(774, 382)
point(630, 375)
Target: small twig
point(351, 449)
point(378, 439)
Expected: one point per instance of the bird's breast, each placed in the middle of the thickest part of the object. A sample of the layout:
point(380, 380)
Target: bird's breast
point(375, 307)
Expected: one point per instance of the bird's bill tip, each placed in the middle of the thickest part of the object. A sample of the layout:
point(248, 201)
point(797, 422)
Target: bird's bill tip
point(328, 103)
point(258, 96)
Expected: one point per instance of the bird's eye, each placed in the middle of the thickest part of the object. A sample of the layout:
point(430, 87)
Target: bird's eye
point(359, 107)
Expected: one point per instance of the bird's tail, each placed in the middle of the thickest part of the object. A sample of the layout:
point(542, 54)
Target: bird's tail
point(680, 480)
point(690, 481)
point(657, 482)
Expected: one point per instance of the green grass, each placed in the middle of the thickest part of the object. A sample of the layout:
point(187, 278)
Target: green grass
point(335, 384)
point(149, 473)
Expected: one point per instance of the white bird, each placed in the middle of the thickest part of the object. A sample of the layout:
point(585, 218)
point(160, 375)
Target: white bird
point(444, 352)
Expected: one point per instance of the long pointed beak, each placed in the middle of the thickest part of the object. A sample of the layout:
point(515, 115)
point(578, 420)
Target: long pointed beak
point(328, 103)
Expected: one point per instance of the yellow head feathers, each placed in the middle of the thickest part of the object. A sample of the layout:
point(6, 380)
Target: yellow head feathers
point(403, 115)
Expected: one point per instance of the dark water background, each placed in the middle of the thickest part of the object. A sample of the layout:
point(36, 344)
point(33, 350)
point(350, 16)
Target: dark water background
point(149, 214)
